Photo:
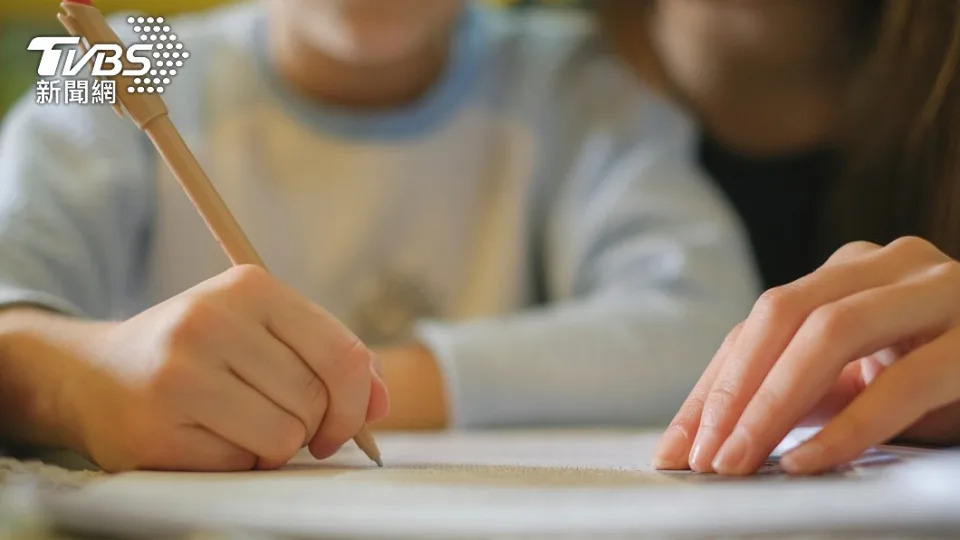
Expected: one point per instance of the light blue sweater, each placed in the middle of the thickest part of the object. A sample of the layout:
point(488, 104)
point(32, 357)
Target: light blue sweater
point(536, 219)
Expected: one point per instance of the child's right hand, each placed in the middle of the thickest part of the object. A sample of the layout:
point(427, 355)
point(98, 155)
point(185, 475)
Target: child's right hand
point(235, 373)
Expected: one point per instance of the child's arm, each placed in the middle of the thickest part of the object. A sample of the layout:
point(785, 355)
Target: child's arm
point(417, 388)
point(235, 372)
point(647, 270)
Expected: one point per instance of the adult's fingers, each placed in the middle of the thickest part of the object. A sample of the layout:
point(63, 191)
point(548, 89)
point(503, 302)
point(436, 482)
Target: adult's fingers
point(844, 390)
point(829, 339)
point(269, 366)
point(775, 320)
point(674, 445)
point(851, 251)
point(923, 381)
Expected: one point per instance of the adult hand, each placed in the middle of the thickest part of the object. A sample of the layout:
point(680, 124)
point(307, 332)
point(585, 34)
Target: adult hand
point(870, 341)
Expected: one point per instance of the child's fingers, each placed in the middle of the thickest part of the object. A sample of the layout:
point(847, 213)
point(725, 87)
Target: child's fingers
point(674, 445)
point(832, 336)
point(350, 380)
point(330, 350)
point(774, 321)
point(337, 357)
point(268, 365)
point(227, 406)
point(327, 348)
point(196, 448)
point(923, 381)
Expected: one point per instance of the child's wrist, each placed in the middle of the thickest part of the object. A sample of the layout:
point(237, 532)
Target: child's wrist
point(42, 380)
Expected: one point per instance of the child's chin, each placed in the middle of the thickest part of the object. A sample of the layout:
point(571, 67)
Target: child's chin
point(381, 45)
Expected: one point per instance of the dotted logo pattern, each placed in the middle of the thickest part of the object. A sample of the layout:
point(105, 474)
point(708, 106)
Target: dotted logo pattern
point(168, 54)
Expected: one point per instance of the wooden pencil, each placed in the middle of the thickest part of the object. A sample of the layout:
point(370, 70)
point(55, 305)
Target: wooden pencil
point(149, 112)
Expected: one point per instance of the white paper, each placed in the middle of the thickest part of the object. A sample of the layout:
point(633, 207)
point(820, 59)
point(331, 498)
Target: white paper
point(481, 484)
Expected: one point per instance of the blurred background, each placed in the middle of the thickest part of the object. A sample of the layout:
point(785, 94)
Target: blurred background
point(21, 20)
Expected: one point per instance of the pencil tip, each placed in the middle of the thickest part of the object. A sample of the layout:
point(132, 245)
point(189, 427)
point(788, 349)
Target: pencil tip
point(379, 462)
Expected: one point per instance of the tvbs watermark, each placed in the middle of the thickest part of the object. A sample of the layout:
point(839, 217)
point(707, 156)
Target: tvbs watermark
point(154, 62)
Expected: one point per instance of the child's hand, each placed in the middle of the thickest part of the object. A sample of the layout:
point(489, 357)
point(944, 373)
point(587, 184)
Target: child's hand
point(872, 337)
point(237, 372)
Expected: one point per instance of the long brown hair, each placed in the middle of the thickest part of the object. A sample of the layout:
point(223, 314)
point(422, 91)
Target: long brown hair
point(900, 126)
point(901, 144)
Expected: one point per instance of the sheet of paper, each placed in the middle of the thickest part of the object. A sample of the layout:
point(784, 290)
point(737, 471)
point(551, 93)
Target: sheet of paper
point(545, 483)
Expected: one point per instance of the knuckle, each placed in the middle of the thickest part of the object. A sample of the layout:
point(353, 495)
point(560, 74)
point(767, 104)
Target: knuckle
point(948, 271)
point(857, 246)
point(693, 405)
point(912, 245)
point(721, 397)
point(246, 277)
point(769, 402)
point(832, 321)
point(196, 319)
point(775, 303)
point(853, 249)
point(690, 411)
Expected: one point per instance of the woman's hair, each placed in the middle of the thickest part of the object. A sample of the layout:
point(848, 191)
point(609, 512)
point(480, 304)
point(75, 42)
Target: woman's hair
point(900, 136)
point(901, 143)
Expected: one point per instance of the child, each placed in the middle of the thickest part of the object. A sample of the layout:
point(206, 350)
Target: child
point(489, 202)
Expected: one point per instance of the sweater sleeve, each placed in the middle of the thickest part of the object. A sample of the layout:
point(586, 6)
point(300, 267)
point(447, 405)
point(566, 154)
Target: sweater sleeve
point(75, 204)
point(646, 269)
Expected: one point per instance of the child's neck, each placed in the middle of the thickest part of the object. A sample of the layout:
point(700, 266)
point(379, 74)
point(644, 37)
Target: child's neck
point(362, 86)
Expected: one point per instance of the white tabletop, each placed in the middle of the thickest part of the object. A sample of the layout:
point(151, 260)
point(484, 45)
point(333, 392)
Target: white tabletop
point(524, 483)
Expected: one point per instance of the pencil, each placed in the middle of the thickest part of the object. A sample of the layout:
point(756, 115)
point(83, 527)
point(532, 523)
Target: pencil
point(148, 111)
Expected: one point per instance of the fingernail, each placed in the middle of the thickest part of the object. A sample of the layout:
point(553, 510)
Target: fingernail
point(805, 459)
point(733, 455)
point(704, 448)
point(670, 451)
point(376, 366)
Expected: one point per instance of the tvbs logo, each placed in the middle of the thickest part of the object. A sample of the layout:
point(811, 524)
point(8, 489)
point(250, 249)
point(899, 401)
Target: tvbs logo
point(152, 63)
point(106, 58)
